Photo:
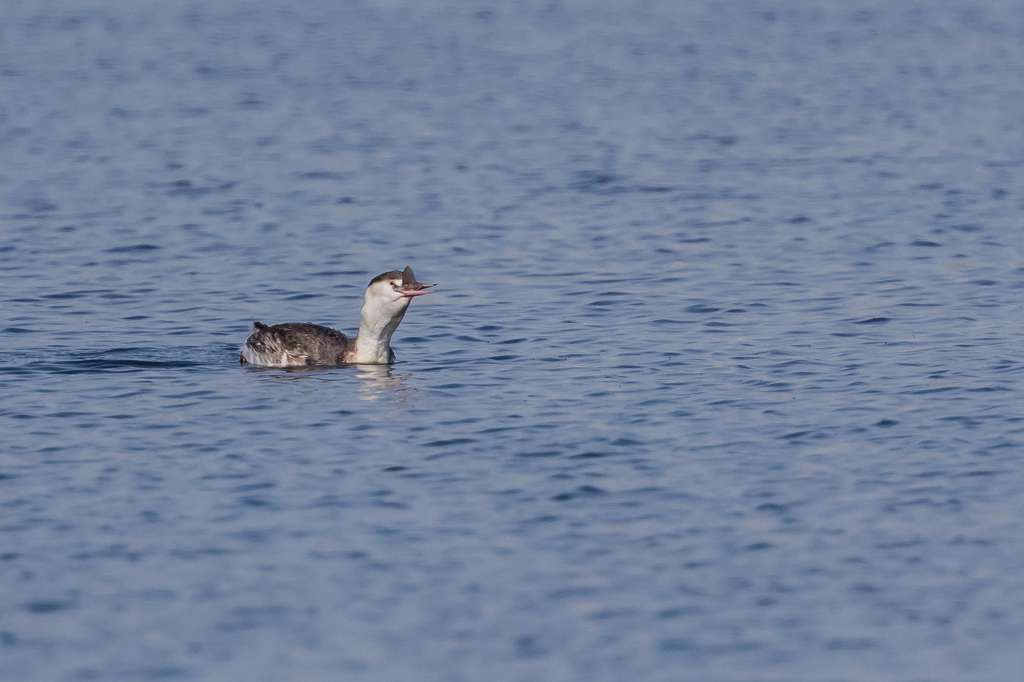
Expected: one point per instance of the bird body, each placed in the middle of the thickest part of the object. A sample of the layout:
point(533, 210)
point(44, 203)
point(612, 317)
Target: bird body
point(301, 344)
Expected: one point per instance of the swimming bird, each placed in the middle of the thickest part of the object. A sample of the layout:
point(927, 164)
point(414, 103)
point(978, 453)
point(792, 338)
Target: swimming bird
point(300, 344)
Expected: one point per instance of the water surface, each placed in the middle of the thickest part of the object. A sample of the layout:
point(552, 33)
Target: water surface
point(722, 380)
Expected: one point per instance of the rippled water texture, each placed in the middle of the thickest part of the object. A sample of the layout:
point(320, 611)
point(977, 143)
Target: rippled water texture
point(722, 380)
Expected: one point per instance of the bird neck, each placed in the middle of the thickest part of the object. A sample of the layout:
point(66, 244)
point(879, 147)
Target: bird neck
point(373, 341)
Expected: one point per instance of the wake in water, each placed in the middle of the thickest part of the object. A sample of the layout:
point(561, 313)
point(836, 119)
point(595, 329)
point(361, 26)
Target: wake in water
point(124, 359)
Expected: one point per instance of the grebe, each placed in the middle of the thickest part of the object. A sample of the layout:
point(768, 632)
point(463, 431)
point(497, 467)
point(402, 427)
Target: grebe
point(298, 344)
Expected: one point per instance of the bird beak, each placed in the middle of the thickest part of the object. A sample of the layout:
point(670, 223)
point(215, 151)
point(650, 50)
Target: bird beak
point(416, 289)
point(410, 287)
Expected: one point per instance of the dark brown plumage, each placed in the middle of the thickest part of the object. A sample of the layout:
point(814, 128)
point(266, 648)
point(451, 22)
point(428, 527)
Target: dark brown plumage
point(301, 342)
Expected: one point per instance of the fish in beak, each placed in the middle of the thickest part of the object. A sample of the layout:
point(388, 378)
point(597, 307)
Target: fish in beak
point(410, 287)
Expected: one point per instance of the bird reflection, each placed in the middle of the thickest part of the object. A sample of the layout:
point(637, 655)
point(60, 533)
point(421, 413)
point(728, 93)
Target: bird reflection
point(375, 381)
point(380, 381)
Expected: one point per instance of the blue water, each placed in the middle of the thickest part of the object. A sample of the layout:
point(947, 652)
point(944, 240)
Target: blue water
point(722, 380)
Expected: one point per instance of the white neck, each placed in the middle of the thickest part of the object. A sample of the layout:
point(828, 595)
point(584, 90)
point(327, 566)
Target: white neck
point(373, 342)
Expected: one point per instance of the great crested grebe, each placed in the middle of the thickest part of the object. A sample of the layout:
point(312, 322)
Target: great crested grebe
point(299, 344)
